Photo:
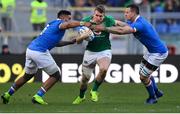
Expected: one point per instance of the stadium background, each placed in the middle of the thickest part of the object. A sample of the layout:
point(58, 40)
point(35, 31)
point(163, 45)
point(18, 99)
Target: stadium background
point(127, 51)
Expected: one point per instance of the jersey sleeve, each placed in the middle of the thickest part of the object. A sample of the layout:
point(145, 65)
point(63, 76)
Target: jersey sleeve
point(137, 26)
point(111, 21)
point(59, 24)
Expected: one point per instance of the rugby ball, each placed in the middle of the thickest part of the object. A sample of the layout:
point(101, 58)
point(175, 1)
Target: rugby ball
point(85, 30)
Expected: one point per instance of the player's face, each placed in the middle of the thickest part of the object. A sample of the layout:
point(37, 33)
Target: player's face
point(67, 17)
point(98, 17)
point(128, 14)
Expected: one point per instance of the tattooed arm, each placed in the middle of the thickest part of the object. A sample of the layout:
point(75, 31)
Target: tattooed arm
point(120, 23)
point(119, 30)
point(116, 29)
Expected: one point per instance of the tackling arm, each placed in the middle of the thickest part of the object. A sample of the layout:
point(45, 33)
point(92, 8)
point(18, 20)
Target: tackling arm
point(120, 30)
point(116, 29)
point(120, 23)
point(82, 37)
point(64, 43)
point(73, 24)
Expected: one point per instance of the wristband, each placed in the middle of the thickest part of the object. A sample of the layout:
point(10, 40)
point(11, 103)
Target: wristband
point(82, 23)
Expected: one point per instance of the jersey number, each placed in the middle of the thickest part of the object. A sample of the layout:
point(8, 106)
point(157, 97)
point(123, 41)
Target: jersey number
point(44, 29)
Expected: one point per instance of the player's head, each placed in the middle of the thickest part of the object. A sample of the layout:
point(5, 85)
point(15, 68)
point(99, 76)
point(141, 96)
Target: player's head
point(131, 12)
point(99, 14)
point(64, 15)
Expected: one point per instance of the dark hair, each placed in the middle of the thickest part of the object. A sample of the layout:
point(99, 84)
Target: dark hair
point(63, 12)
point(134, 8)
point(100, 8)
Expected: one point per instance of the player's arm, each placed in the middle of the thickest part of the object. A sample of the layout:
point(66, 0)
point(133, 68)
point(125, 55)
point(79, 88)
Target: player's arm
point(120, 23)
point(82, 37)
point(120, 30)
point(72, 24)
point(116, 29)
point(65, 43)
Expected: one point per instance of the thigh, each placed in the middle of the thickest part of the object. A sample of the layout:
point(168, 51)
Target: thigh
point(44, 59)
point(104, 63)
point(30, 65)
point(155, 58)
point(89, 59)
point(104, 59)
point(51, 69)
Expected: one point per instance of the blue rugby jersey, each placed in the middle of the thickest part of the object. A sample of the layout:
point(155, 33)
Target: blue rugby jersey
point(49, 37)
point(147, 35)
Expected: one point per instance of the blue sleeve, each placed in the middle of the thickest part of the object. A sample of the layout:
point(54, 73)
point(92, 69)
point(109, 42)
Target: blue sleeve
point(137, 26)
point(59, 23)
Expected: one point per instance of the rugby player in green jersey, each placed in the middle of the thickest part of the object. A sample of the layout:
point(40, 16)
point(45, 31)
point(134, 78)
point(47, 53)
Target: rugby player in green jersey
point(98, 51)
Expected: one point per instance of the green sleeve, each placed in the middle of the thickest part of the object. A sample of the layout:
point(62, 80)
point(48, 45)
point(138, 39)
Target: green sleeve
point(111, 21)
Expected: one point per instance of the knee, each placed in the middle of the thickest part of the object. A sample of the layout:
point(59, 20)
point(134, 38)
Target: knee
point(86, 72)
point(103, 70)
point(56, 75)
point(28, 76)
point(144, 80)
point(84, 80)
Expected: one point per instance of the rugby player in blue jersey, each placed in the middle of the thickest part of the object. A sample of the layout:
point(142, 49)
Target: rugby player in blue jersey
point(39, 57)
point(156, 52)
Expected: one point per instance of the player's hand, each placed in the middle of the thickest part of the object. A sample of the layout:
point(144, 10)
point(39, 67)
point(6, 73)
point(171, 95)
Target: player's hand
point(87, 24)
point(73, 41)
point(99, 28)
point(82, 37)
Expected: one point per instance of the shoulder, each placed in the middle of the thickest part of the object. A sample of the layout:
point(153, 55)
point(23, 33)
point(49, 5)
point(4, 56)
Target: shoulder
point(108, 17)
point(57, 21)
point(109, 20)
point(138, 25)
point(141, 20)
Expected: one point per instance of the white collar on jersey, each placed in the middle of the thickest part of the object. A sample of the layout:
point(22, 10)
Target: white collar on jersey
point(136, 18)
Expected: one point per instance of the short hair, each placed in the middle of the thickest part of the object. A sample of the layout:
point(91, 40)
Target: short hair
point(134, 8)
point(63, 12)
point(100, 8)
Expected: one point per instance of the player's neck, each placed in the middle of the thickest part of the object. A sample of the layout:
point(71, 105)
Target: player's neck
point(135, 18)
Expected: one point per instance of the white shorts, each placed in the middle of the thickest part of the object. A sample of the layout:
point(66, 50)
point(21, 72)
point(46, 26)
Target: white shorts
point(90, 58)
point(155, 58)
point(41, 60)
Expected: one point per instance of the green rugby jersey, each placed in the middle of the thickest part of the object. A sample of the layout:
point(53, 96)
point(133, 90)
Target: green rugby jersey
point(101, 41)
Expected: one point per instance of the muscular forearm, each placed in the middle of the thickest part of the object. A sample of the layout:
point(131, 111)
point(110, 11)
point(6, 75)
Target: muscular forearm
point(73, 24)
point(70, 24)
point(119, 30)
point(120, 23)
point(114, 30)
point(64, 43)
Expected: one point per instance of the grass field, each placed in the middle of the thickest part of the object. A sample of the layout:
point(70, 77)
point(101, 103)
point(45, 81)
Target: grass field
point(114, 98)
